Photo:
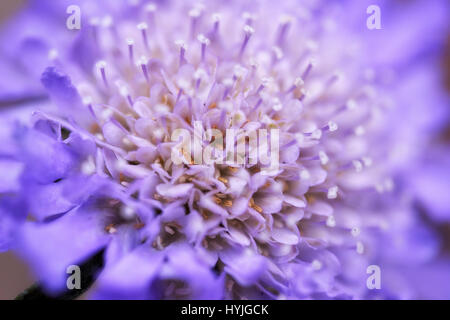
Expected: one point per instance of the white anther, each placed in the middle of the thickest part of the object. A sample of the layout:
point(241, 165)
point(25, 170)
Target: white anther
point(299, 82)
point(277, 106)
point(359, 130)
point(123, 91)
point(249, 30)
point(359, 247)
point(278, 52)
point(203, 40)
point(159, 133)
point(316, 134)
point(304, 174)
point(355, 231)
point(94, 21)
point(112, 230)
point(127, 213)
point(143, 60)
point(227, 82)
point(88, 166)
point(332, 192)
point(379, 188)
point(142, 26)
point(369, 74)
point(101, 64)
point(389, 184)
point(239, 71)
point(195, 12)
point(107, 21)
point(358, 165)
point(300, 138)
point(87, 100)
point(151, 7)
point(216, 17)
point(312, 45)
point(351, 104)
point(313, 62)
point(181, 44)
point(53, 54)
point(200, 74)
point(248, 16)
point(285, 18)
point(316, 265)
point(367, 161)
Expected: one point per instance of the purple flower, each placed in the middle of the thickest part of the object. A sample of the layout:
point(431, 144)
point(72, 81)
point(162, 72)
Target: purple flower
point(93, 170)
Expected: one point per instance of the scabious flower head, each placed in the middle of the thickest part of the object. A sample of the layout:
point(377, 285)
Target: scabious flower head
point(98, 172)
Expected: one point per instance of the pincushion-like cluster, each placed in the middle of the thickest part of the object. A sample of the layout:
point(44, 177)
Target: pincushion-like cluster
point(99, 175)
